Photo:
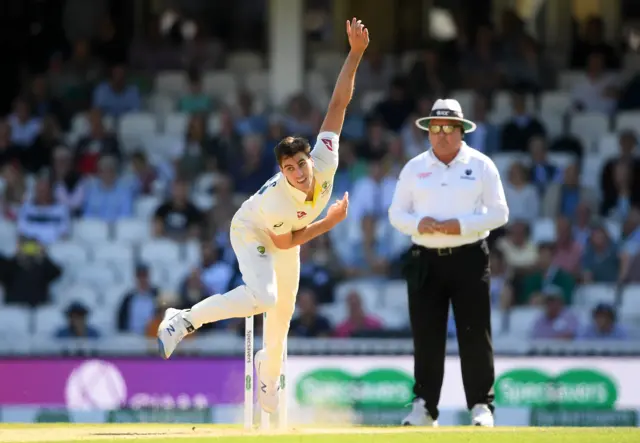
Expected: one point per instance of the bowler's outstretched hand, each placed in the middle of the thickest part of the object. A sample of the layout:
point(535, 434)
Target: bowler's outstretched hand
point(338, 211)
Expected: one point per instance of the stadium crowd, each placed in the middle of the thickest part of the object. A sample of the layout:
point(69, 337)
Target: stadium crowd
point(120, 175)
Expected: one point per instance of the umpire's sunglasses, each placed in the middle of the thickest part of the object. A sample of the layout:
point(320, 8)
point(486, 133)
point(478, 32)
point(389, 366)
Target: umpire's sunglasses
point(447, 129)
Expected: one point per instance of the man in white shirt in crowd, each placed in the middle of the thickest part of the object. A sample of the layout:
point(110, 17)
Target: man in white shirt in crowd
point(448, 199)
point(267, 231)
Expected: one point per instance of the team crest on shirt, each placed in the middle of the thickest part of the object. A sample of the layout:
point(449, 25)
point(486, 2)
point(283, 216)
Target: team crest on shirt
point(467, 175)
point(328, 143)
point(326, 186)
point(301, 214)
point(261, 250)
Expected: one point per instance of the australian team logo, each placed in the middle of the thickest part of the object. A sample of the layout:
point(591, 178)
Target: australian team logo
point(326, 187)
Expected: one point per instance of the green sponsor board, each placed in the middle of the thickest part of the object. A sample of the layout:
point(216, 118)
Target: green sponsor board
point(376, 389)
point(584, 418)
point(160, 416)
point(572, 389)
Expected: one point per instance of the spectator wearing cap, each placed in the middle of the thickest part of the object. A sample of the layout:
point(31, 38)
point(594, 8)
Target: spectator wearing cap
point(557, 321)
point(604, 325)
point(447, 200)
point(138, 306)
point(77, 326)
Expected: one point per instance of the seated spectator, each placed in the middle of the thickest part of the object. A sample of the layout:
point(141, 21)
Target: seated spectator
point(563, 198)
point(598, 92)
point(116, 96)
point(428, 75)
point(77, 326)
point(248, 120)
point(43, 103)
point(568, 252)
point(226, 145)
point(146, 177)
point(68, 185)
point(98, 143)
point(368, 257)
point(546, 274)
point(604, 325)
point(619, 203)
point(480, 64)
point(630, 250)
point(372, 194)
point(25, 127)
point(225, 207)
point(27, 277)
point(301, 117)
point(542, 171)
point(396, 107)
point(108, 196)
point(627, 142)
point(583, 223)
point(394, 161)
point(308, 322)
point(178, 218)
point(215, 273)
point(522, 196)
point(529, 69)
point(314, 274)
point(14, 191)
point(521, 128)
point(358, 321)
point(374, 146)
point(501, 289)
point(250, 174)
point(375, 72)
point(139, 306)
point(557, 321)
point(486, 137)
point(40, 154)
point(593, 40)
point(192, 290)
point(600, 262)
point(194, 156)
point(195, 101)
point(9, 152)
point(520, 253)
point(41, 217)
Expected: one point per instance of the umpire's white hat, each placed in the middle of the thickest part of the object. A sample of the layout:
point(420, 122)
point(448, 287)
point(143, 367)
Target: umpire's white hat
point(448, 109)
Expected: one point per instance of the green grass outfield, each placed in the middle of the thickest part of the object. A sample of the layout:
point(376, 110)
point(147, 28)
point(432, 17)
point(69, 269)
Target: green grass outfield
point(169, 433)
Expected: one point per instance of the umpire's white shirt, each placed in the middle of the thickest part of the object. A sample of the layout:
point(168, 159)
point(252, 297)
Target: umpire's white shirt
point(468, 189)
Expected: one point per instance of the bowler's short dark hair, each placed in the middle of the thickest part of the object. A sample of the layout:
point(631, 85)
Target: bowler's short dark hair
point(290, 146)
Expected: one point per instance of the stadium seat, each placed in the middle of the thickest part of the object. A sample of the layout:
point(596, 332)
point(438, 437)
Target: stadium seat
point(544, 230)
point(48, 319)
point(175, 274)
point(328, 62)
point(68, 253)
point(113, 252)
point(146, 206)
point(8, 238)
point(162, 147)
point(369, 291)
point(15, 321)
point(504, 160)
point(502, 103)
point(132, 230)
point(243, 62)
point(160, 104)
point(80, 292)
point(134, 127)
point(113, 295)
point(522, 319)
point(568, 79)
point(590, 125)
point(90, 230)
point(394, 295)
point(160, 251)
point(631, 299)
point(176, 124)
point(370, 100)
point(556, 103)
point(257, 83)
point(172, 83)
point(98, 275)
point(192, 253)
point(219, 83)
point(627, 120)
point(336, 313)
point(562, 159)
point(608, 145)
point(214, 123)
point(466, 99)
point(553, 123)
point(589, 295)
point(393, 318)
point(592, 165)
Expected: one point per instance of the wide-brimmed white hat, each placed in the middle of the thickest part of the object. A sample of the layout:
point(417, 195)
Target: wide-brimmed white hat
point(448, 109)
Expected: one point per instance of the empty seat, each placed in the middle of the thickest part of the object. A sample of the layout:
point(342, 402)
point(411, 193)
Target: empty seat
point(162, 147)
point(244, 62)
point(627, 120)
point(370, 100)
point(8, 237)
point(631, 299)
point(395, 295)
point(146, 206)
point(466, 98)
point(48, 320)
point(592, 165)
point(14, 321)
point(544, 230)
point(590, 125)
point(98, 275)
point(132, 230)
point(68, 253)
point(522, 319)
point(504, 160)
point(138, 124)
point(160, 251)
point(556, 103)
point(90, 230)
point(160, 104)
point(568, 79)
point(257, 83)
point(219, 83)
point(608, 145)
point(589, 295)
point(176, 123)
point(335, 313)
point(172, 83)
point(79, 292)
point(113, 252)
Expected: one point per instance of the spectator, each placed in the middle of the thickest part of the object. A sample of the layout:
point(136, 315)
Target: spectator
point(603, 325)
point(486, 137)
point(195, 101)
point(248, 120)
point(194, 156)
point(99, 142)
point(395, 109)
point(178, 218)
point(41, 217)
point(600, 263)
point(301, 116)
point(522, 196)
point(227, 143)
point(77, 326)
point(369, 256)
point(598, 92)
point(108, 196)
point(308, 322)
point(619, 204)
point(250, 174)
point(374, 146)
point(546, 274)
point(68, 186)
point(372, 195)
point(612, 181)
point(522, 127)
point(479, 66)
point(358, 322)
point(25, 127)
point(138, 306)
point(40, 154)
point(520, 253)
point(528, 70)
point(27, 277)
point(146, 177)
point(630, 250)
point(44, 104)
point(428, 76)
point(592, 41)
point(315, 274)
point(542, 171)
point(564, 198)
point(225, 207)
point(502, 295)
point(375, 72)
point(192, 290)
point(557, 321)
point(568, 252)
point(215, 273)
point(583, 223)
point(116, 97)
point(394, 161)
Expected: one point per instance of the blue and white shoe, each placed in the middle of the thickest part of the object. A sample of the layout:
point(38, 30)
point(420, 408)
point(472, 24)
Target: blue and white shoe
point(268, 388)
point(173, 328)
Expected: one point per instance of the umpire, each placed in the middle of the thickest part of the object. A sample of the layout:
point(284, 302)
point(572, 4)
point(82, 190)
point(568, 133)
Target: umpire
point(448, 199)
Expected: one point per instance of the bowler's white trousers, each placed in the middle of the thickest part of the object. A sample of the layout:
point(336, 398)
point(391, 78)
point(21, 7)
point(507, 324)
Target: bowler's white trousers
point(271, 277)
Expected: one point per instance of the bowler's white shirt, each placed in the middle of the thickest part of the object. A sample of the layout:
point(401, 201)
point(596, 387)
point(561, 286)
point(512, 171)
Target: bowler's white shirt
point(468, 189)
point(281, 208)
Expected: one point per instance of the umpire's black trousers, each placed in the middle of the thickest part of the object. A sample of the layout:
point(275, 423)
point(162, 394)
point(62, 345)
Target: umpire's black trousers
point(436, 277)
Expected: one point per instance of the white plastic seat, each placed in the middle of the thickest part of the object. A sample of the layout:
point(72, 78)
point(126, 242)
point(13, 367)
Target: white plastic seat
point(160, 251)
point(590, 125)
point(146, 206)
point(132, 230)
point(48, 319)
point(172, 83)
point(160, 104)
point(522, 319)
point(90, 230)
point(14, 321)
point(80, 292)
point(113, 252)
point(568, 79)
point(370, 100)
point(555, 103)
point(257, 83)
point(98, 275)
point(589, 295)
point(68, 253)
point(219, 83)
point(544, 230)
point(466, 98)
point(8, 237)
point(335, 313)
point(138, 124)
point(395, 295)
point(627, 120)
point(631, 299)
point(176, 123)
point(243, 62)
point(504, 160)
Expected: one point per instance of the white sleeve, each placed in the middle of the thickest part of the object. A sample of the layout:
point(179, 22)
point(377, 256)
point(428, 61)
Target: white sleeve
point(401, 213)
point(325, 151)
point(494, 200)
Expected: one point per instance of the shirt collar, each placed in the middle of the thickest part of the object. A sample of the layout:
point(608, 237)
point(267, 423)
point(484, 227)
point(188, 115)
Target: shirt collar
point(300, 196)
point(462, 157)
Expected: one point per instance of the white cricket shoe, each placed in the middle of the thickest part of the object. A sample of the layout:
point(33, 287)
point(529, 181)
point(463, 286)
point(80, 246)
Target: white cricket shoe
point(419, 416)
point(173, 328)
point(268, 388)
point(481, 416)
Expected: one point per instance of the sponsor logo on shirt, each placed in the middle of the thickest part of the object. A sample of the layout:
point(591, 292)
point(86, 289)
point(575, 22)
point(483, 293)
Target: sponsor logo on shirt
point(424, 174)
point(278, 225)
point(328, 143)
point(467, 175)
point(301, 214)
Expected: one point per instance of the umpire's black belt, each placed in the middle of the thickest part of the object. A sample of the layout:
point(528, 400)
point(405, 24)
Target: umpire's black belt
point(443, 252)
